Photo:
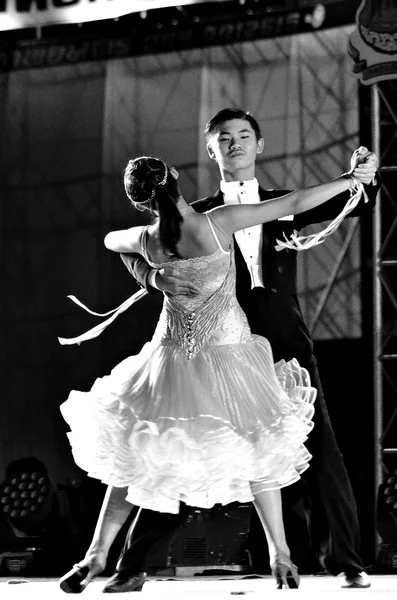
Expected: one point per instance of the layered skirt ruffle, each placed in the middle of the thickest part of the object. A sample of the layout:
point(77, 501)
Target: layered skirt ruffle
point(217, 429)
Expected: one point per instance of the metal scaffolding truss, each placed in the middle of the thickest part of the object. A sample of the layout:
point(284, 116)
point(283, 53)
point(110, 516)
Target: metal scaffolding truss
point(328, 133)
point(384, 131)
point(301, 91)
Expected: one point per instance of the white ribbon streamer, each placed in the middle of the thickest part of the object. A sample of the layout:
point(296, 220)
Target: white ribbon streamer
point(97, 330)
point(304, 242)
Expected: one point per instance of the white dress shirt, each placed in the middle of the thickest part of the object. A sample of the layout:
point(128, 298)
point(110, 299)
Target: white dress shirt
point(250, 239)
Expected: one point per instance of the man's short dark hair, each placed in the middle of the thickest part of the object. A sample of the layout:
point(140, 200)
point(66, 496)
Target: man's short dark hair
point(227, 114)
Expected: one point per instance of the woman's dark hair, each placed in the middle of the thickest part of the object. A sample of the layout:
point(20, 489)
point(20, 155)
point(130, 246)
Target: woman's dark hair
point(228, 114)
point(150, 186)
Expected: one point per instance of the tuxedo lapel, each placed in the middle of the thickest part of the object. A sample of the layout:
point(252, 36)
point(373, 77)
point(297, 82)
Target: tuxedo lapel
point(273, 229)
point(215, 200)
point(268, 234)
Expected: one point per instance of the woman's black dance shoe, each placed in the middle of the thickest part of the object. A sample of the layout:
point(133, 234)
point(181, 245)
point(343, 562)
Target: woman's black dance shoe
point(285, 572)
point(72, 582)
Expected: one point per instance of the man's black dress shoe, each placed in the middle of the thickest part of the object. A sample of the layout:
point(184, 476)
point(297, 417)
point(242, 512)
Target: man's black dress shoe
point(357, 580)
point(124, 582)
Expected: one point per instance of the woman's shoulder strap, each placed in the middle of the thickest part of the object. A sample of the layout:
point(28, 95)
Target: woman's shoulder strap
point(144, 240)
point(214, 225)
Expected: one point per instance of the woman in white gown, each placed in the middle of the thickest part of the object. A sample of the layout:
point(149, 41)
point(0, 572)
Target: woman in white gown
point(201, 415)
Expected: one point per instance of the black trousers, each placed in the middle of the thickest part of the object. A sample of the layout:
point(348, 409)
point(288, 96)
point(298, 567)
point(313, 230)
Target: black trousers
point(332, 516)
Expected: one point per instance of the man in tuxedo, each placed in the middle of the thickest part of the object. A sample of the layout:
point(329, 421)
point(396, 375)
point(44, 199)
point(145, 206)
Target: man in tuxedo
point(266, 290)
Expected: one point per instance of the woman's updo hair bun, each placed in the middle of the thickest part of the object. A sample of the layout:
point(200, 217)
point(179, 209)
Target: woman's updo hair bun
point(150, 186)
point(142, 177)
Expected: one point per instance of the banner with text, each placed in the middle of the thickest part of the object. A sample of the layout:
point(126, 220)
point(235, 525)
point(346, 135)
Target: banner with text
point(21, 14)
point(144, 38)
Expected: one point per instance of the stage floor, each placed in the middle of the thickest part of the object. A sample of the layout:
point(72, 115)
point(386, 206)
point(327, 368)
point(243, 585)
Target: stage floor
point(204, 588)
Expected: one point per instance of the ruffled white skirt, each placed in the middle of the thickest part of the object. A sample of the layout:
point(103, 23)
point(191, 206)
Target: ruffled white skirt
point(216, 429)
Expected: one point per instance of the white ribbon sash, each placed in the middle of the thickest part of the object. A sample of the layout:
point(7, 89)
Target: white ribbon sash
point(97, 330)
point(303, 242)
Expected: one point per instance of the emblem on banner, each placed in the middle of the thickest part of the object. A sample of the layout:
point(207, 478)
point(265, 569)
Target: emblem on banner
point(373, 44)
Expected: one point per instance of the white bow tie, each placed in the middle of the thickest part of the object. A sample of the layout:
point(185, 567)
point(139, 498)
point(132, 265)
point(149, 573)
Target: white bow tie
point(232, 189)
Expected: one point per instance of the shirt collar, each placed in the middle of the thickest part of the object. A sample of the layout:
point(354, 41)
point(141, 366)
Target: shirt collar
point(251, 185)
point(232, 191)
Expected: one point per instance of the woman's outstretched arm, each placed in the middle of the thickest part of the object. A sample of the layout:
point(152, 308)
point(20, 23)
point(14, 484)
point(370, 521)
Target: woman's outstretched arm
point(235, 217)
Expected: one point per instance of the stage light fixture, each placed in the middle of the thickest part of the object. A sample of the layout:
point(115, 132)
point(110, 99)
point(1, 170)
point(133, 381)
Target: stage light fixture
point(26, 501)
point(25, 495)
point(386, 561)
point(390, 492)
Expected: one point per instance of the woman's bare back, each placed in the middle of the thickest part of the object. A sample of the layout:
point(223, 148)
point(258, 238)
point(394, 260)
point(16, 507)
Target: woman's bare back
point(196, 239)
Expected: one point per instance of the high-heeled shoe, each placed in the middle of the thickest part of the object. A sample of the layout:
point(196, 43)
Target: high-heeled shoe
point(74, 581)
point(285, 572)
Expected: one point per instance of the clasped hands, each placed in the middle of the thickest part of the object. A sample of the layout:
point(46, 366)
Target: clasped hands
point(363, 165)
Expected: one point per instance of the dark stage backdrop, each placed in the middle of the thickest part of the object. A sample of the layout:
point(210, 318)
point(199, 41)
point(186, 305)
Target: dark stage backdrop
point(54, 216)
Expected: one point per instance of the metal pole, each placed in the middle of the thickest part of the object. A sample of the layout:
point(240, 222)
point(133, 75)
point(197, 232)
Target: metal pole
point(377, 304)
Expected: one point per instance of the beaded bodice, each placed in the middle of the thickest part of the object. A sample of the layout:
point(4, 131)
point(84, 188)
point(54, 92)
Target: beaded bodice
point(213, 316)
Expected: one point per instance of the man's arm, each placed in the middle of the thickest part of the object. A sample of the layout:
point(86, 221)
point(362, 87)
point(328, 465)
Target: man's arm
point(154, 280)
point(334, 207)
point(368, 163)
point(141, 271)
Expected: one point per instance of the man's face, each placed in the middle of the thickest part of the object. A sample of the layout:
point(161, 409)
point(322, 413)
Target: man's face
point(234, 147)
